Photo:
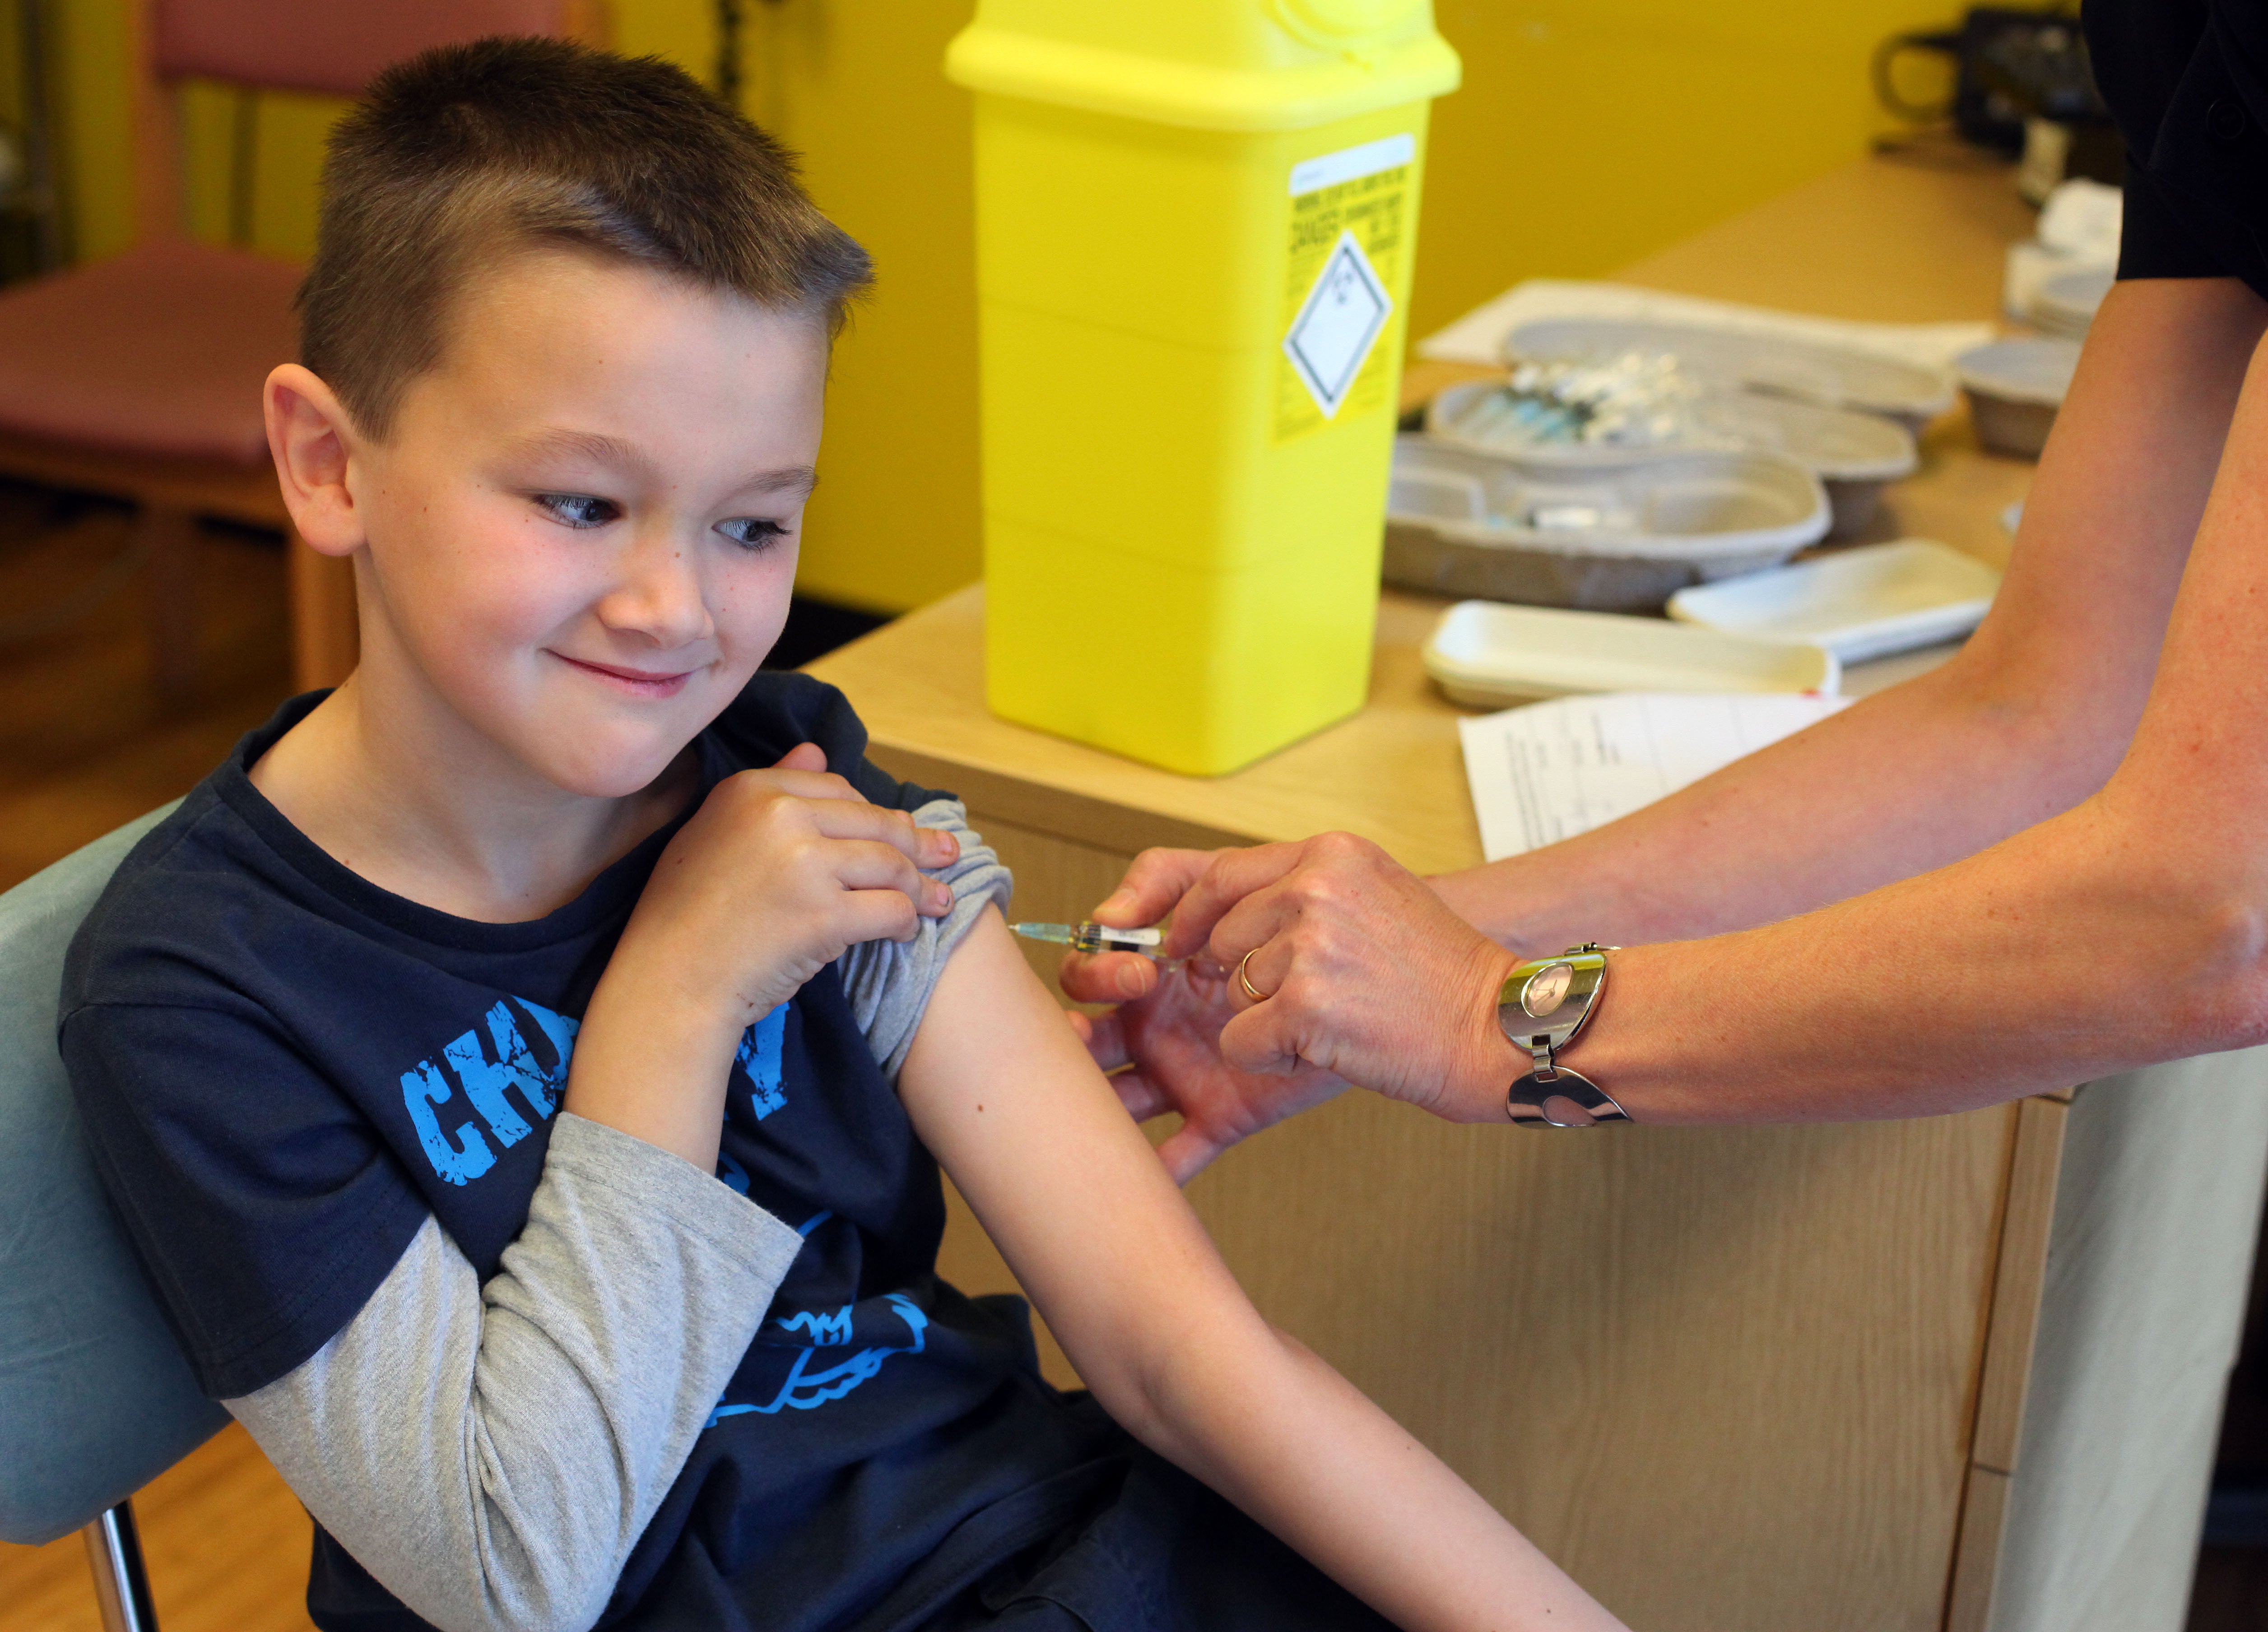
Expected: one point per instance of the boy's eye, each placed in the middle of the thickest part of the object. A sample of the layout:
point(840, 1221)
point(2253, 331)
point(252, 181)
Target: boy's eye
point(750, 532)
point(579, 509)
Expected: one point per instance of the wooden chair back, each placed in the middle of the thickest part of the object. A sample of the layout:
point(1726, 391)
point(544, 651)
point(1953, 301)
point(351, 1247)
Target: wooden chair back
point(292, 45)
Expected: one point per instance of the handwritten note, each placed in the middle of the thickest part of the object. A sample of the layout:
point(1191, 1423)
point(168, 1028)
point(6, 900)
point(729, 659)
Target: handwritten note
point(1551, 770)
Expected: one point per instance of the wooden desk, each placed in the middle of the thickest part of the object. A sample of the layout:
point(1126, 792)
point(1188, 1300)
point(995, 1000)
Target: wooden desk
point(1764, 1378)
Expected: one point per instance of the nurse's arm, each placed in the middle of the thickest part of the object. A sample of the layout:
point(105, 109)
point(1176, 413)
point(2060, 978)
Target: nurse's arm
point(2131, 928)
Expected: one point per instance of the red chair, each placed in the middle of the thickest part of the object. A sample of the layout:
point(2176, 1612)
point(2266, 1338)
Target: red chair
point(139, 376)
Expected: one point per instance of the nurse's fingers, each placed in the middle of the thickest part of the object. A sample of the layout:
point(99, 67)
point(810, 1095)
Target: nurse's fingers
point(1266, 1038)
point(1188, 1151)
point(1104, 1035)
point(1259, 975)
point(1107, 977)
point(1228, 878)
point(1154, 886)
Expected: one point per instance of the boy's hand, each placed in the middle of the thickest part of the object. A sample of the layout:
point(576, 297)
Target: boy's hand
point(776, 875)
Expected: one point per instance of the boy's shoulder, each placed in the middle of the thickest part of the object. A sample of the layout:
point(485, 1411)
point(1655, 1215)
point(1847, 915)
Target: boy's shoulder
point(225, 878)
point(204, 864)
point(776, 711)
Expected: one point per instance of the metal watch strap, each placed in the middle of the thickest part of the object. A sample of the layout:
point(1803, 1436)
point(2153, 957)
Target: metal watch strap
point(1566, 989)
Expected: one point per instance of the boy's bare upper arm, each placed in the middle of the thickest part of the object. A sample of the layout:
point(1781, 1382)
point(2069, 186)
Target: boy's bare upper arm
point(1007, 1098)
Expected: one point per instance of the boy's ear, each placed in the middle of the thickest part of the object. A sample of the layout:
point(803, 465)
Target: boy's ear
point(311, 437)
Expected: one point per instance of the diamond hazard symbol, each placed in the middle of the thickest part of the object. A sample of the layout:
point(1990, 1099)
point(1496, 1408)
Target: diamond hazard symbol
point(1338, 323)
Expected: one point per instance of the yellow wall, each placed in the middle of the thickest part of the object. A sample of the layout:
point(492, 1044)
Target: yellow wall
point(1588, 132)
point(856, 86)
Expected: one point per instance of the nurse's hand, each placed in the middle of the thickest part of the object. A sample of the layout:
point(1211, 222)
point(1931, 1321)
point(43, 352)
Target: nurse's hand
point(1171, 1040)
point(1367, 978)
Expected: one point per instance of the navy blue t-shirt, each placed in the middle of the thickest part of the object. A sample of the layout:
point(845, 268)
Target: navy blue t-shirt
point(284, 1070)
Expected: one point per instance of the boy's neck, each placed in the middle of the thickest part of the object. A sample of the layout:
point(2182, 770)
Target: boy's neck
point(410, 799)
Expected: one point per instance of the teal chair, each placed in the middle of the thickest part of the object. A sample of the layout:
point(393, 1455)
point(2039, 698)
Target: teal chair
point(96, 1399)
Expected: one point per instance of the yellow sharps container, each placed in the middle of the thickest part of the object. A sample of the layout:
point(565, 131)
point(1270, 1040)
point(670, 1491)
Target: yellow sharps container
point(1194, 226)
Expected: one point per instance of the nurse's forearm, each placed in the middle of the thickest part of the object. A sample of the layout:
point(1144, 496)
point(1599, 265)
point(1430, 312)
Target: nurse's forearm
point(2074, 949)
point(1914, 778)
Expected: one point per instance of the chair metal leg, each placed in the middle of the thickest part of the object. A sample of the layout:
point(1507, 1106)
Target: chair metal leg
point(121, 1584)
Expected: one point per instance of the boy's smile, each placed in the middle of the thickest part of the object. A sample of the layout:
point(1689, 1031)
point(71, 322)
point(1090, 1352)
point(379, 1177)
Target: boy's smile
point(637, 682)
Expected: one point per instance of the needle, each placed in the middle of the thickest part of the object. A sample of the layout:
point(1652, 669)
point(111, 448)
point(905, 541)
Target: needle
point(1091, 937)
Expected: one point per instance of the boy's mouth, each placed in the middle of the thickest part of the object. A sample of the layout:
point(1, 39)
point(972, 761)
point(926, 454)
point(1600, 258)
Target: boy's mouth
point(637, 682)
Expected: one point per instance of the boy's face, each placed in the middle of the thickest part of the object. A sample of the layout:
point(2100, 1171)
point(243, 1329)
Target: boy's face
point(582, 532)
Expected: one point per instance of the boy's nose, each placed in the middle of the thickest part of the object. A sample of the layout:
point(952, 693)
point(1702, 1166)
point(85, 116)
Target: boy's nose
point(659, 594)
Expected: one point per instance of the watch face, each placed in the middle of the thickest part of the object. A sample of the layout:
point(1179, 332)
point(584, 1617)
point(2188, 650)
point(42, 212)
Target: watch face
point(1547, 989)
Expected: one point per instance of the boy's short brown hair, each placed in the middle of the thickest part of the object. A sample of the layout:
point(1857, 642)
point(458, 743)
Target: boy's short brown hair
point(462, 155)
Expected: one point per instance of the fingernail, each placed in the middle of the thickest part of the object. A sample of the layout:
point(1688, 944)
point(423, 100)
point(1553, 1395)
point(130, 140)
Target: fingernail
point(940, 896)
point(1116, 900)
point(1129, 982)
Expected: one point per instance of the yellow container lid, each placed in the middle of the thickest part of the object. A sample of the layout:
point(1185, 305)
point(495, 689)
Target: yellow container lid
point(1238, 65)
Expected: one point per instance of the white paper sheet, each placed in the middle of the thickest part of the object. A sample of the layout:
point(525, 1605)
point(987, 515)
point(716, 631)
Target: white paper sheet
point(1479, 336)
point(1551, 770)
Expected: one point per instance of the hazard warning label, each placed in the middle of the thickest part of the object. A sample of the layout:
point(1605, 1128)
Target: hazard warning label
point(1349, 230)
point(1331, 338)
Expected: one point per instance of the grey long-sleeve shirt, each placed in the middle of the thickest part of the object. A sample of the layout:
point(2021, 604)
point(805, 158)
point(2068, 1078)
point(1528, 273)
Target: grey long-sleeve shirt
point(491, 1453)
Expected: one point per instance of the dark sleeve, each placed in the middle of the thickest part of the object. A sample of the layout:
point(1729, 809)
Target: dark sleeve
point(2153, 241)
point(778, 710)
point(2187, 83)
point(264, 1206)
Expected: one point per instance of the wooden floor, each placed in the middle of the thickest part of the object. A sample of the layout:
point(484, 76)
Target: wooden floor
point(86, 744)
point(225, 1541)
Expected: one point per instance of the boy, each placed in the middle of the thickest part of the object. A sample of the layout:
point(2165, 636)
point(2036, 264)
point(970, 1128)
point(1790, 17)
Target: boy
point(412, 1041)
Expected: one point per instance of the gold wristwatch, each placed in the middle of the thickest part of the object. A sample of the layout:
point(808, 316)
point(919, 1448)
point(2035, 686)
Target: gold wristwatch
point(1544, 1004)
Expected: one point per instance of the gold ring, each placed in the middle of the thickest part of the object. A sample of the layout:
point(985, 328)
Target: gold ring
point(1245, 980)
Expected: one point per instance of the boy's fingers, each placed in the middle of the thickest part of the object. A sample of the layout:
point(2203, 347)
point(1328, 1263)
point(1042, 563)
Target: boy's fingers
point(819, 784)
point(863, 864)
point(876, 916)
point(938, 847)
point(807, 756)
point(799, 781)
point(802, 773)
point(839, 819)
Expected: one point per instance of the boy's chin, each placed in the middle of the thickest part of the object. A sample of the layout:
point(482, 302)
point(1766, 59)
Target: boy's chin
point(596, 774)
